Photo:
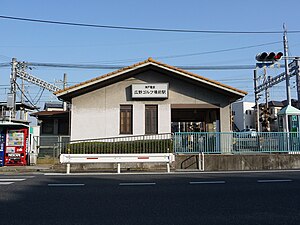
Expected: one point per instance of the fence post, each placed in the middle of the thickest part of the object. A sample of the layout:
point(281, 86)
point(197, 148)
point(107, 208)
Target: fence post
point(201, 161)
point(54, 147)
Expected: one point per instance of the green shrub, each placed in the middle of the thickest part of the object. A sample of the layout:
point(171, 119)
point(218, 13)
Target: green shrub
point(125, 147)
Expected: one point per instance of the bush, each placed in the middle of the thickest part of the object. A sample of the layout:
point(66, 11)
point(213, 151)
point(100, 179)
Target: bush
point(125, 147)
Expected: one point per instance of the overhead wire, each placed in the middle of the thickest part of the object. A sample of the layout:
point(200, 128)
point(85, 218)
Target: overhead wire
point(82, 66)
point(22, 92)
point(111, 66)
point(5, 64)
point(38, 95)
point(141, 28)
point(219, 51)
point(95, 66)
point(41, 94)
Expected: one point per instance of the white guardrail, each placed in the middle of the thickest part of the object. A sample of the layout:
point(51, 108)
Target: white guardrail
point(117, 158)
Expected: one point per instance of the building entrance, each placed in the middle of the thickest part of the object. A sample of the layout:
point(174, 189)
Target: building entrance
point(194, 120)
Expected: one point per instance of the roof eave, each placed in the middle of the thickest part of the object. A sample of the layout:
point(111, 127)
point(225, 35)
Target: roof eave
point(205, 81)
point(97, 80)
point(65, 94)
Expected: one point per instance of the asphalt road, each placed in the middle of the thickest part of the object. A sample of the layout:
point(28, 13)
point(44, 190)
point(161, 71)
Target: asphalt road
point(183, 199)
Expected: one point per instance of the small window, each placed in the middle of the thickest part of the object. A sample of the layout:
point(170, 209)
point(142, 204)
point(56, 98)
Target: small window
point(126, 119)
point(151, 119)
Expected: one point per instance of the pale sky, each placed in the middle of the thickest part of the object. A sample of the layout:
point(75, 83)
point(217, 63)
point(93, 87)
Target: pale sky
point(40, 42)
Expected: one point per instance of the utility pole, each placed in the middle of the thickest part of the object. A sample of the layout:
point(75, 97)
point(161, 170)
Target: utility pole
point(13, 86)
point(298, 81)
point(22, 68)
point(287, 74)
point(64, 86)
point(256, 101)
point(65, 81)
point(266, 111)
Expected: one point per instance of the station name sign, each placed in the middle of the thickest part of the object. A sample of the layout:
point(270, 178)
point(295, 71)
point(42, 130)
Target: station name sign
point(154, 90)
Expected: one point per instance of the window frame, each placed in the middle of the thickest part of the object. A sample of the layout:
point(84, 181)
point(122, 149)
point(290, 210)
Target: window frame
point(153, 129)
point(126, 120)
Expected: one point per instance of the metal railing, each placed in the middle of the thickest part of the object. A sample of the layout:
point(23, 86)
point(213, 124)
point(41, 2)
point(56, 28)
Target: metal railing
point(49, 146)
point(178, 143)
point(236, 142)
point(156, 143)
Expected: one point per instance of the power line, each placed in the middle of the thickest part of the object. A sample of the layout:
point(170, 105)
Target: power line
point(5, 64)
point(142, 28)
point(114, 67)
point(95, 66)
point(222, 50)
point(25, 95)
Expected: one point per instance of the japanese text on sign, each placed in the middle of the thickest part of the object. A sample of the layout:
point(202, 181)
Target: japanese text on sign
point(150, 90)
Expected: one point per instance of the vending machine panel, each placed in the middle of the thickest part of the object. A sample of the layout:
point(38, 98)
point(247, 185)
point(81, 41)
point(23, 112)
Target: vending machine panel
point(16, 147)
point(2, 147)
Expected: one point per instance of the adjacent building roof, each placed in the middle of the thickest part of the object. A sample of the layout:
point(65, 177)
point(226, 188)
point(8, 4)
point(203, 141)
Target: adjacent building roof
point(289, 110)
point(58, 105)
point(279, 104)
point(77, 89)
point(49, 113)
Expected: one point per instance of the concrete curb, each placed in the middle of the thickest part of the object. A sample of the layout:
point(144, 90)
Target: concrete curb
point(26, 169)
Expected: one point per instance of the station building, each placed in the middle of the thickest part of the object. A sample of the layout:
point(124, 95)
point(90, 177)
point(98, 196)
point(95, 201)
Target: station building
point(149, 97)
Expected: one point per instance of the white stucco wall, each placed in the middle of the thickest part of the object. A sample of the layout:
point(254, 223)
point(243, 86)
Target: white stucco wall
point(241, 119)
point(96, 114)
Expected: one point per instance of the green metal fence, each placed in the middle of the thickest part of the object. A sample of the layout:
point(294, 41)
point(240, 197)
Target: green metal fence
point(236, 142)
point(186, 143)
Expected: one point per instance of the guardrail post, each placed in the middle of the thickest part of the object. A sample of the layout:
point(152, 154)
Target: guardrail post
point(68, 168)
point(202, 153)
point(119, 168)
point(168, 167)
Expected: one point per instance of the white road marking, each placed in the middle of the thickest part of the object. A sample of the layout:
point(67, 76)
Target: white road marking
point(6, 183)
point(273, 181)
point(10, 179)
point(66, 185)
point(208, 182)
point(15, 177)
point(56, 174)
point(136, 184)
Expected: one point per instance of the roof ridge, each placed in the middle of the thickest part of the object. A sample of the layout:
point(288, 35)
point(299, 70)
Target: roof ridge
point(108, 74)
point(149, 60)
point(194, 75)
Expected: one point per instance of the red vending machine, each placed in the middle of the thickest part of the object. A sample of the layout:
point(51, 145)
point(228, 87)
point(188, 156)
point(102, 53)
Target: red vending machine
point(16, 147)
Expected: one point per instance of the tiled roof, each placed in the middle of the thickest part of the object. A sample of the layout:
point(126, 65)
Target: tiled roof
point(148, 61)
point(49, 113)
point(53, 105)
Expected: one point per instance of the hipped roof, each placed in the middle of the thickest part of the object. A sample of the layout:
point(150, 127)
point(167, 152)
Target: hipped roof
point(289, 110)
point(76, 90)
